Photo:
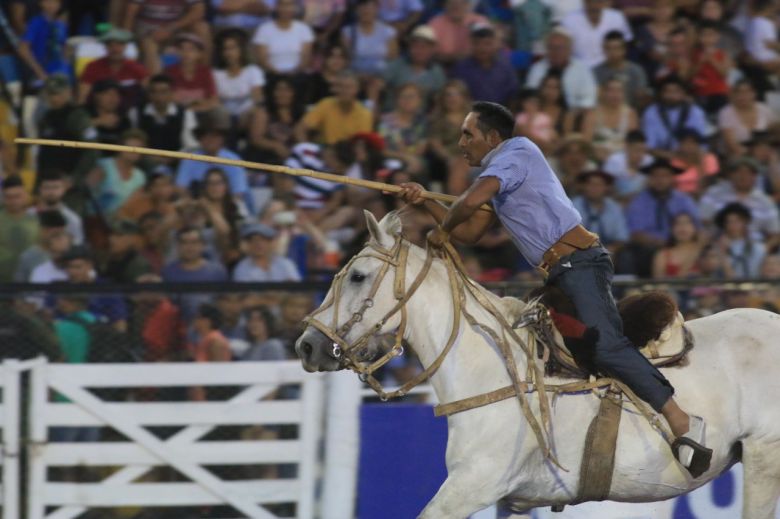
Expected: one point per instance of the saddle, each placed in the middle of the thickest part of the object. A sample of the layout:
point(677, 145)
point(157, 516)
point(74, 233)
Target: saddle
point(651, 321)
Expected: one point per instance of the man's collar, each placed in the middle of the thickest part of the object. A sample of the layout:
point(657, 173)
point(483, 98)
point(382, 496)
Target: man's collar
point(492, 153)
point(169, 111)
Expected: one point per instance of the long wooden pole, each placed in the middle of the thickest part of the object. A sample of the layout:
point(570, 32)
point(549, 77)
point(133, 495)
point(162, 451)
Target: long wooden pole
point(180, 155)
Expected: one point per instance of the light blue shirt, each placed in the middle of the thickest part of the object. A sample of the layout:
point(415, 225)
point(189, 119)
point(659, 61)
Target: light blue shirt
point(660, 131)
point(609, 222)
point(531, 202)
point(280, 270)
point(195, 171)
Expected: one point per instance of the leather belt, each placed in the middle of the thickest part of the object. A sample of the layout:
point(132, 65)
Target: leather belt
point(577, 238)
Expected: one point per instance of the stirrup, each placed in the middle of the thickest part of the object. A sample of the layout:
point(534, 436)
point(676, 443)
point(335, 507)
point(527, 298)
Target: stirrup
point(700, 462)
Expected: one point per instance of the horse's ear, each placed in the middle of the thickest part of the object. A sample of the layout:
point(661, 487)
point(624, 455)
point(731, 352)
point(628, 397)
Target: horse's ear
point(373, 226)
point(392, 224)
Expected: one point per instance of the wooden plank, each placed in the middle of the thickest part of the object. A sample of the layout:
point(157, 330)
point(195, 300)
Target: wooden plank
point(179, 374)
point(169, 494)
point(204, 453)
point(181, 413)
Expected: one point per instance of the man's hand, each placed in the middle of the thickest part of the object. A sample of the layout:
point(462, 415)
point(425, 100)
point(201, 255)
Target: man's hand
point(437, 237)
point(412, 193)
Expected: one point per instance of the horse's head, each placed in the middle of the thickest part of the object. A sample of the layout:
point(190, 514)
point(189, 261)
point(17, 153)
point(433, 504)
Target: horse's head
point(360, 304)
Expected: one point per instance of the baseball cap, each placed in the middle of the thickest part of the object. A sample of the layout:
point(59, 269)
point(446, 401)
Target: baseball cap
point(56, 83)
point(423, 32)
point(116, 34)
point(259, 229)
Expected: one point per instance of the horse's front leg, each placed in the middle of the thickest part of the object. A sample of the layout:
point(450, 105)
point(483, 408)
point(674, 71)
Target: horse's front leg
point(466, 491)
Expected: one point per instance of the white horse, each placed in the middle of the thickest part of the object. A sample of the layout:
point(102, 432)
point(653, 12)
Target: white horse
point(492, 455)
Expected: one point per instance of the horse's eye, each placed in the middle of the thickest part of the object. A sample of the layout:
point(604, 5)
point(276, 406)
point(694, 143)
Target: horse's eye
point(357, 277)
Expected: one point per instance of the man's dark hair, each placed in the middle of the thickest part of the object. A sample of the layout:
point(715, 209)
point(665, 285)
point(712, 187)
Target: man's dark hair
point(51, 219)
point(161, 78)
point(51, 175)
point(212, 313)
point(187, 230)
point(708, 24)
point(12, 182)
point(635, 136)
point(493, 116)
point(615, 36)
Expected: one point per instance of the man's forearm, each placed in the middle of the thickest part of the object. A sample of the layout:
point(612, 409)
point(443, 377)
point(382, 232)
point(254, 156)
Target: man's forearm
point(438, 211)
point(458, 213)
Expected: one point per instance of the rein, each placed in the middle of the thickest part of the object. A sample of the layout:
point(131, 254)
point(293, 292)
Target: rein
point(349, 354)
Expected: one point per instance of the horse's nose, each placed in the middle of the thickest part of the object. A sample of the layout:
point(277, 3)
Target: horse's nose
point(305, 350)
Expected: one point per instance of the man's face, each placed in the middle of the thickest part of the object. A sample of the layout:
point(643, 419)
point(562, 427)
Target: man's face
point(79, 270)
point(473, 143)
point(595, 188)
point(51, 192)
point(258, 246)
point(421, 51)
point(347, 89)
point(121, 243)
point(558, 50)
point(743, 179)
point(160, 93)
point(161, 188)
point(190, 247)
point(212, 142)
point(295, 308)
point(636, 150)
point(116, 50)
point(457, 9)
point(58, 99)
point(15, 199)
point(484, 48)
point(614, 50)
point(660, 180)
point(230, 305)
point(672, 94)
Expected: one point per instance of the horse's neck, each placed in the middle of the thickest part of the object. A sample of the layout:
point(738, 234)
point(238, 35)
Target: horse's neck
point(474, 365)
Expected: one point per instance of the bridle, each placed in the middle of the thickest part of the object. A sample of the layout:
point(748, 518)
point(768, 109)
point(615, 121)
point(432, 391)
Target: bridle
point(348, 353)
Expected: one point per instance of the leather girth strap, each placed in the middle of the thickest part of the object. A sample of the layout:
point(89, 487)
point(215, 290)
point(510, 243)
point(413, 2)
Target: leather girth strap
point(598, 457)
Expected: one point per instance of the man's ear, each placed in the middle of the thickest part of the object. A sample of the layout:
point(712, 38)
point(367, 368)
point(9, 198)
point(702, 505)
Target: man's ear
point(493, 138)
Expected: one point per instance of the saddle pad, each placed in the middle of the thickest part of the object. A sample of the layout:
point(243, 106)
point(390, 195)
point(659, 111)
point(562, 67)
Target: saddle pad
point(598, 457)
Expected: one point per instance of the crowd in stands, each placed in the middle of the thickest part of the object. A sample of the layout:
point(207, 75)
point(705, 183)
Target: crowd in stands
point(661, 118)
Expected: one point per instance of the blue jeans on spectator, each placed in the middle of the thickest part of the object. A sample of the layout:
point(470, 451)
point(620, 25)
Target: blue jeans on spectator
point(585, 276)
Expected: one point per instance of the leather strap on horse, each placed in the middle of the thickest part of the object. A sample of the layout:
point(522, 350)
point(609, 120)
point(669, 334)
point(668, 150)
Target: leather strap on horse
point(598, 457)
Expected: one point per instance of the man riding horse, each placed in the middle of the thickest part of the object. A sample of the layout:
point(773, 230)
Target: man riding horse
point(530, 202)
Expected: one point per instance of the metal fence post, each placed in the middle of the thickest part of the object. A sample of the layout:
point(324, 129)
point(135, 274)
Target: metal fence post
point(11, 425)
point(36, 469)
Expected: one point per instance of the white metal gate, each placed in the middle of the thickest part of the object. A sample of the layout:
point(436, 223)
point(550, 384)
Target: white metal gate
point(10, 405)
point(184, 451)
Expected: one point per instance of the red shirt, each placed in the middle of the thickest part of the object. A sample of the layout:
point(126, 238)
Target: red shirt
point(130, 76)
point(199, 86)
point(706, 80)
point(163, 332)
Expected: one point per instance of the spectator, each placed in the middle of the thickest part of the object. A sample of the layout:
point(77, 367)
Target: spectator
point(713, 11)
point(157, 22)
point(322, 84)
point(404, 129)
point(617, 66)
point(153, 239)
point(532, 22)
point(43, 42)
point(607, 125)
point(325, 17)
point(31, 336)
point(761, 37)
point(419, 67)
point(79, 264)
point(117, 178)
point(75, 344)
point(679, 55)
point(51, 190)
point(589, 25)
point(211, 345)
point(452, 28)
point(761, 149)
point(553, 103)
point(713, 264)
point(246, 15)
point(272, 130)
point(108, 118)
point(743, 116)
point(57, 244)
point(18, 229)
point(193, 80)
point(230, 306)
point(224, 213)
point(670, 114)
point(697, 163)
point(600, 213)
point(263, 346)
point(294, 308)
point(626, 165)
point(283, 44)
point(452, 105)
point(650, 214)
point(49, 223)
point(402, 15)
point(64, 120)
point(577, 80)
point(573, 157)
point(744, 254)
point(260, 264)
point(156, 196)
point(651, 38)
point(239, 83)
point(167, 125)
point(158, 322)
point(533, 123)
point(9, 130)
point(741, 185)
point(489, 76)
point(338, 117)
point(372, 41)
point(125, 263)
point(211, 133)
point(130, 74)
point(711, 69)
point(680, 257)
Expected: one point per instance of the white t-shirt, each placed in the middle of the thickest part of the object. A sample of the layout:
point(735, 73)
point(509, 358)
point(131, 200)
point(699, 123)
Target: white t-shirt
point(235, 92)
point(284, 46)
point(760, 29)
point(588, 40)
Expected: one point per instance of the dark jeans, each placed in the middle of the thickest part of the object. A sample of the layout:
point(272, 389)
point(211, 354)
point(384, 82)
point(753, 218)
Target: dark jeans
point(586, 277)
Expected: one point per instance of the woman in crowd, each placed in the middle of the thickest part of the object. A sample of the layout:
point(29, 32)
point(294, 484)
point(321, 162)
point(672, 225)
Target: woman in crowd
point(741, 117)
point(553, 103)
point(211, 345)
point(404, 129)
point(679, 259)
point(320, 85)
point(283, 45)
point(239, 83)
point(193, 81)
point(533, 123)
point(225, 213)
point(697, 163)
point(745, 255)
point(108, 119)
point(607, 125)
point(259, 334)
point(116, 178)
point(372, 43)
point(272, 130)
point(650, 39)
point(452, 105)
